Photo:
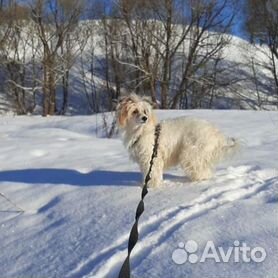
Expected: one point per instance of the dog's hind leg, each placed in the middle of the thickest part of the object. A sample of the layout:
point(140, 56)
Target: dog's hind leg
point(196, 164)
point(197, 173)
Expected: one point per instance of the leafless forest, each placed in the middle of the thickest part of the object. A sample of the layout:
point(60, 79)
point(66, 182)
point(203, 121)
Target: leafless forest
point(55, 53)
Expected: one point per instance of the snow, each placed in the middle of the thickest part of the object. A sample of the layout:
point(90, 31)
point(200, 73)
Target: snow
point(79, 192)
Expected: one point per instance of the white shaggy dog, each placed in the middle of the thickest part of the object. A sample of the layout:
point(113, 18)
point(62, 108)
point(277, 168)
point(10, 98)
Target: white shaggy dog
point(195, 145)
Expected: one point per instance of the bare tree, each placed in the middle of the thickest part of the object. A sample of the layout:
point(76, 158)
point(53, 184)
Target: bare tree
point(171, 44)
point(70, 50)
point(262, 25)
point(206, 39)
point(5, 20)
point(54, 20)
point(18, 68)
point(87, 66)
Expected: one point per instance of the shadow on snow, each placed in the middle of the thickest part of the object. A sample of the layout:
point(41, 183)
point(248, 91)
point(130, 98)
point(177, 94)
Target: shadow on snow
point(72, 177)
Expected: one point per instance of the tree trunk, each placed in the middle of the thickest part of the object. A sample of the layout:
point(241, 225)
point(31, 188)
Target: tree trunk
point(65, 92)
point(49, 94)
point(167, 62)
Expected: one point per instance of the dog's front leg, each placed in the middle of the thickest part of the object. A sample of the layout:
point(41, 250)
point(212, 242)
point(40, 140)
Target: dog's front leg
point(156, 173)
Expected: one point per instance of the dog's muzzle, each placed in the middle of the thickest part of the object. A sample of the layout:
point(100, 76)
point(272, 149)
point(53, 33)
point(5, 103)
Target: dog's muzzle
point(144, 119)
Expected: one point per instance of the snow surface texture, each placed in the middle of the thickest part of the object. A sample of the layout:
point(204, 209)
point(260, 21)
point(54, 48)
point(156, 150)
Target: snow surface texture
point(79, 192)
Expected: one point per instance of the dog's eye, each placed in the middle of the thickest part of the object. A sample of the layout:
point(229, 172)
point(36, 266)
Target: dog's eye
point(135, 112)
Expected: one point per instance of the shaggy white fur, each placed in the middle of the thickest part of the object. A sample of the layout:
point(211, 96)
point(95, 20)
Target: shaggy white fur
point(193, 144)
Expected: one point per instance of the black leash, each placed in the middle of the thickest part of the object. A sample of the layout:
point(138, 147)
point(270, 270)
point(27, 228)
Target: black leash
point(133, 236)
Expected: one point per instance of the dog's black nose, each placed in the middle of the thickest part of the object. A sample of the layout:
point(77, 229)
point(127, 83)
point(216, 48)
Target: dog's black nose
point(144, 118)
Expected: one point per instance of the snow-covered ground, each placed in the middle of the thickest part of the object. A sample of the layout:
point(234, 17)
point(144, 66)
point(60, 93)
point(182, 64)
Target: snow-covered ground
point(79, 192)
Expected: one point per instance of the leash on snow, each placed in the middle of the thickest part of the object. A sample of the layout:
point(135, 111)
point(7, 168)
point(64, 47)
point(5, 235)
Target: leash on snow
point(133, 236)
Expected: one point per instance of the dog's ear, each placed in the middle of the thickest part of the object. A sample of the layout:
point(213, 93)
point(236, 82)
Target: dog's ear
point(122, 111)
point(122, 117)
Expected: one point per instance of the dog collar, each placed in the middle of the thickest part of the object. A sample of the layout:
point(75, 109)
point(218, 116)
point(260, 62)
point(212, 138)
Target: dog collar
point(156, 133)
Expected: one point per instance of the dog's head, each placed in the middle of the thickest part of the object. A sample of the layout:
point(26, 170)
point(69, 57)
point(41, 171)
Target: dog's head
point(135, 111)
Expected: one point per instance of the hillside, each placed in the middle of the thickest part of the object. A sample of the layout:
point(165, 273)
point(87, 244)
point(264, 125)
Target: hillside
point(89, 87)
